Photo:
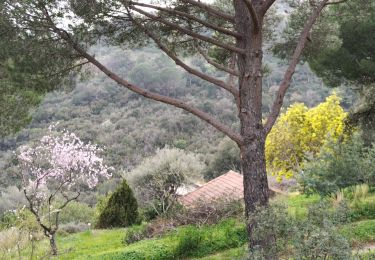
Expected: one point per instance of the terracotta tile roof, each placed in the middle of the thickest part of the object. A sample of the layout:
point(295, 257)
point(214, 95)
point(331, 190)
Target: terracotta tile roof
point(224, 186)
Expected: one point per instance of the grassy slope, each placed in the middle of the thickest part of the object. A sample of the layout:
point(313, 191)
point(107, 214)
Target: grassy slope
point(107, 244)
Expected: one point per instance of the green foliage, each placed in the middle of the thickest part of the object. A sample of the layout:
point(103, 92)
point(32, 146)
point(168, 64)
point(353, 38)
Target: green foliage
point(131, 255)
point(72, 227)
point(188, 241)
point(360, 232)
point(225, 158)
point(135, 233)
point(361, 199)
point(133, 128)
point(208, 239)
point(339, 165)
point(315, 237)
point(353, 58)
point(157, 178)
point(30, 66)
point(77, 212)
point(121, 209)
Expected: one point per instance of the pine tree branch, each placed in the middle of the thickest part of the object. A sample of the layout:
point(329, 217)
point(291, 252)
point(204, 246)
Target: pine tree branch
point(215, 64)
point(285, 83)
point(143, 92)
point(253, 15)
point(188, 32)
point(191, 17)
point(210, 10)
point(267, 5)
point(180, 63)
point(336, 2)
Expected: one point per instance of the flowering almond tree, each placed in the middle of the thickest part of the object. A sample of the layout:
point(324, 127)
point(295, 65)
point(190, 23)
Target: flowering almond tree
point(53, 171)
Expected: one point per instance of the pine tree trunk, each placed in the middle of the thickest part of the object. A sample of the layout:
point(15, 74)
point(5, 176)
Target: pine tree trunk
point(52, 242)
point(256, 192)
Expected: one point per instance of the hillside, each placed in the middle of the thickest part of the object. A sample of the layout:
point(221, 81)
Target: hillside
point(131, 127)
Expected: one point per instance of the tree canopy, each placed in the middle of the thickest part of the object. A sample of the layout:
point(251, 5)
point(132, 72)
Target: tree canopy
point(31, 64)
point(342, 53)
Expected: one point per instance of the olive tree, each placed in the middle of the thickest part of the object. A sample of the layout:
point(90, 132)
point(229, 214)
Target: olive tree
point(157, 179)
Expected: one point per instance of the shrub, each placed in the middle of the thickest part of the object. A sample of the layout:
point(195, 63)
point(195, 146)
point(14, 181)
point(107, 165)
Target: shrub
point(189, 240)
point(130, 255)
point(77, 212)
point(300, 131)
point(226, 157)
point(8, 219)
point(73, 227)
point(339, 165)
point(136, 233)
point(315, 237)
point(157, 178)
point(361, 200)
point(121, 209)
point(318, 236)
point(208, 213)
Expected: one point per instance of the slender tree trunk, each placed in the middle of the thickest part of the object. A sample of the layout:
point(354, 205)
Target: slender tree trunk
point(52, 242)
point(256, 192)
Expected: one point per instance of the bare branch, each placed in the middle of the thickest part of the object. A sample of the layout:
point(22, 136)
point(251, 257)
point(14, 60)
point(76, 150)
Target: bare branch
point(253, 15)
point(67, 69)
point(143, 92)
point(33, 211)
point(188, 32)
point(285, 83)
point(63, 206)
point(191, 17)
point(211, 10)
point(336, 2)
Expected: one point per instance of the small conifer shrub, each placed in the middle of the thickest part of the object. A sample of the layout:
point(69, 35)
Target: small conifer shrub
point(121, 209)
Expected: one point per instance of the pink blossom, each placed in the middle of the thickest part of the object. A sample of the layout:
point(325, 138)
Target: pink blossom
point(63, 160)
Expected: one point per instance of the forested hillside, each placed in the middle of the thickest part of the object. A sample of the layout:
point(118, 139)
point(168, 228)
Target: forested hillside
point(131, 127)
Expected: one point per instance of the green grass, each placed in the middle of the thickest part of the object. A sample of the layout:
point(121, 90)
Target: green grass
point(90, 243)
point(107, 244)
point(225, 240)
point(298, 204)
point(229, 254)
point(360, 232)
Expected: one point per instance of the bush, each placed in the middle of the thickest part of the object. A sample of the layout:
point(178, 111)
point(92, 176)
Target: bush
point(318, 237)
point(130, 255)
point(77, 212)
point(361, 200)
point(121, 209)
point(157, 178)
point(189, 240)
point(339, 165)
point(226, 157)
point(136, 233)
point(73, 227)
point(315, 237)
point(208, 213)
